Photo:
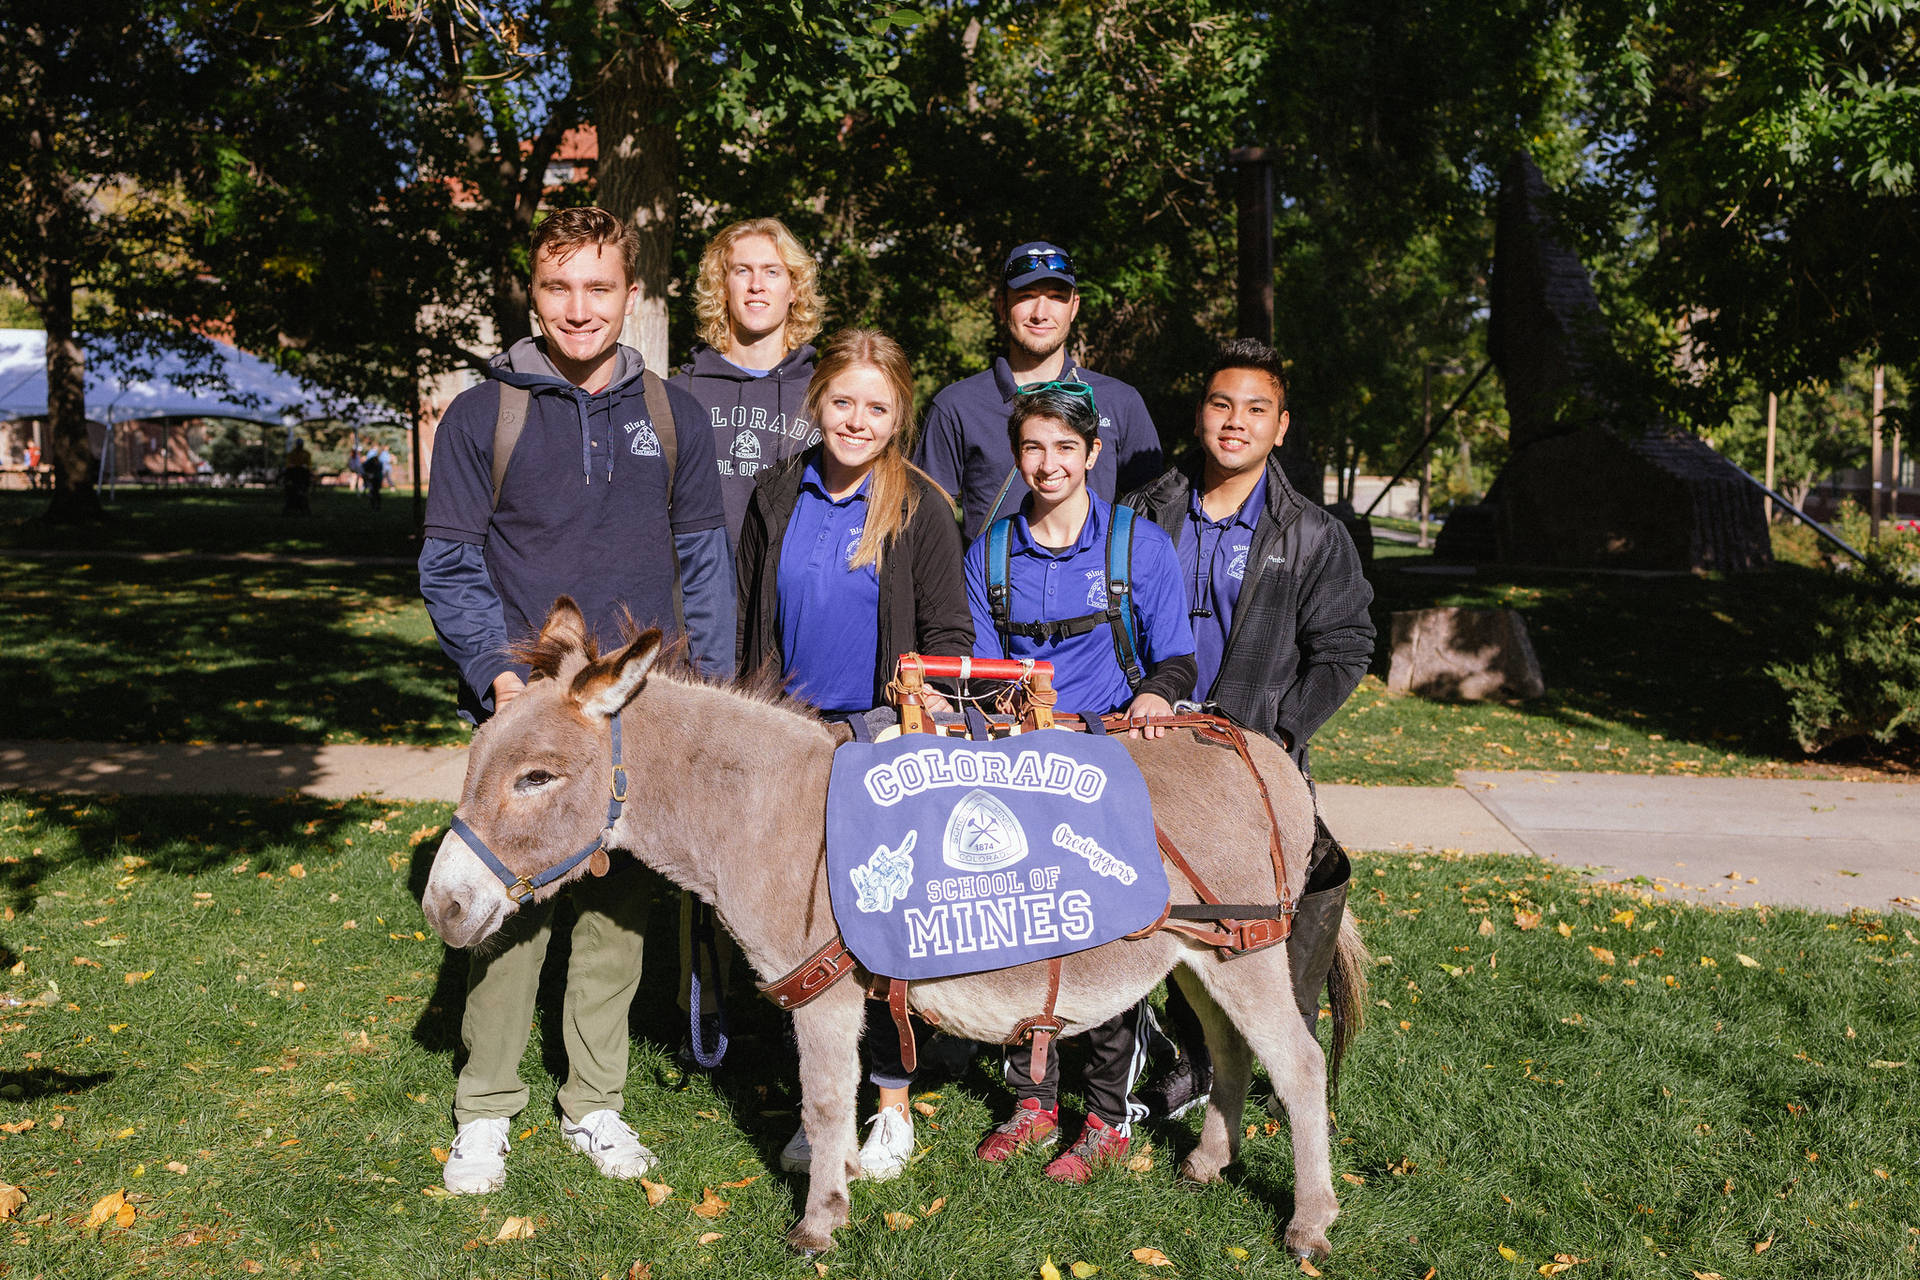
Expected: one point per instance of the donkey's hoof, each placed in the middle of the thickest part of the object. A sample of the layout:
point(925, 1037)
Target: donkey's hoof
point(1194, 1169)
point(1316, 1250)
point(807, 1242)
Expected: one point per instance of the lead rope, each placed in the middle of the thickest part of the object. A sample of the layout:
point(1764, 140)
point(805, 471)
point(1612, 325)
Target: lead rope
point(703, 940)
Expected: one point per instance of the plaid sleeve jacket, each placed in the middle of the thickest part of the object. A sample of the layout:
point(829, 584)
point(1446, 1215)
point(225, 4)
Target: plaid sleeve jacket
point(1301, 637)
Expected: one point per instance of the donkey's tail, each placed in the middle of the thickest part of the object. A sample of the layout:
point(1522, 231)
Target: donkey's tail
point(1347, 985)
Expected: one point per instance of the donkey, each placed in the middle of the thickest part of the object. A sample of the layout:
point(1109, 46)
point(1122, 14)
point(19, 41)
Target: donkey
point(730, 803)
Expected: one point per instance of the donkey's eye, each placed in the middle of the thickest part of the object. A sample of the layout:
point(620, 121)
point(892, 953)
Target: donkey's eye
point(534, 778)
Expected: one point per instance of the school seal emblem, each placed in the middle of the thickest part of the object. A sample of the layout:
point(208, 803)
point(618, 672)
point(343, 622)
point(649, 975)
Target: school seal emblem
point(982, 835)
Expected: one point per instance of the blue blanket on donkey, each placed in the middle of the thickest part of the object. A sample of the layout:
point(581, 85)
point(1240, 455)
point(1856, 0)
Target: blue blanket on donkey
point(947, 855)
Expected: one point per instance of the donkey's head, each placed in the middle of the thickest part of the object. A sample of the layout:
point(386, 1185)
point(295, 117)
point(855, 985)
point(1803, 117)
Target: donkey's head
point(540, 777)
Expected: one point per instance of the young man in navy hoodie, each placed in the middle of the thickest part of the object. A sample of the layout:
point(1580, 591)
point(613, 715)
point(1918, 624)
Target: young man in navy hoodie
point(758, 306)
point(964, 444)
point(585, 508)
point(1281, 634)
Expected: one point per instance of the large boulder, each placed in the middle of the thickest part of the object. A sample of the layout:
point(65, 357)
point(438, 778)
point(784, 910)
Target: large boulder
point(1466, 655)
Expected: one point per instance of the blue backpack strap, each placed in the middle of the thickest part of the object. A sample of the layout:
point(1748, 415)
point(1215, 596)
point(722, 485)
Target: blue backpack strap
point(999, 591)
point(1120, 593)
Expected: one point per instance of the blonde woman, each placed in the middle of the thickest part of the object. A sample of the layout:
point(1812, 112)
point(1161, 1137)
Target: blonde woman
point(758, 306)
point(849, 557)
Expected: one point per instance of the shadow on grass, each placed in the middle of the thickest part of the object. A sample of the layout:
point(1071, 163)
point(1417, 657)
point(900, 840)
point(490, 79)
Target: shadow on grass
point(193, 518)
point(1684, 656)
point(271, 653)
point(25, 1086)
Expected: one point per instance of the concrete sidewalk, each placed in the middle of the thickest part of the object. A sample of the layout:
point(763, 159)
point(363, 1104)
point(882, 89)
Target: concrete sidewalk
point(1831, 846)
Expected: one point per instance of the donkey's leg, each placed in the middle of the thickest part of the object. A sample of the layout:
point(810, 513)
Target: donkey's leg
point(1232, 1074)
point(1255, 991)
point(828, 1030)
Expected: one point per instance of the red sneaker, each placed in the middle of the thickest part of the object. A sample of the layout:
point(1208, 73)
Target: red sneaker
point(1031, 1125)
point(1098, 1144)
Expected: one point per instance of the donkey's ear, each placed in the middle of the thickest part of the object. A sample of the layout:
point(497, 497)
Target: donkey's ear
point(609, 684)
point(564, 628)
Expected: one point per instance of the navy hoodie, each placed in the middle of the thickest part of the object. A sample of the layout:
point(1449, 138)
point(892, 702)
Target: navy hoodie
point(583, 512)
point(757, 421)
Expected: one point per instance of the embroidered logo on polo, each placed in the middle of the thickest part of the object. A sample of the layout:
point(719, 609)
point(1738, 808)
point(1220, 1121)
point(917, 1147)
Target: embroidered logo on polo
point(1096, 588)
point(641, 440)
point(1237, 567)
point(853, 543)
point(746, 445)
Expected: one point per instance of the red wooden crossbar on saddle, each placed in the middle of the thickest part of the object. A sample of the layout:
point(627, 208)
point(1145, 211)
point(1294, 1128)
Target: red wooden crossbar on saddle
point(1238, 928)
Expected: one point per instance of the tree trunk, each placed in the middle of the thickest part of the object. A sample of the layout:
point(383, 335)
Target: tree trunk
point(638, 176)
point(74, 498)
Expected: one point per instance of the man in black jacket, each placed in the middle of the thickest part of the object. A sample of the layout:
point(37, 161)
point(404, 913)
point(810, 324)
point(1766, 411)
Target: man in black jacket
point(1281, 631)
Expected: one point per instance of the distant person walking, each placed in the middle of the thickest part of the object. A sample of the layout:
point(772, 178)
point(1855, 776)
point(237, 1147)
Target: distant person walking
point(758, 309)
point(965, 448)
point(296, 477)
point(374, 471)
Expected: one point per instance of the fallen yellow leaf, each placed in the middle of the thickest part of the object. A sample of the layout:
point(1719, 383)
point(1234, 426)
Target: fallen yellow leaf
point(656, 1192)
point(1150, 1257)
point(1602, 954)
point(141, 976)
point(516, 1229)
point(1748, 961)
point(1235, 1252)
point(1882, 1064)
point(1082, 1270)
point(1307, 1268)
point(1354, 1178)
point(1708, 1275)
point(644, 1270)
point(1509, 1254)
point(897, 1221)
point(711, 1205)
point(1139, 1163)
point(744, 1182)
point(1764, 1245)
point(1564, 929)
point(927, 1211)
point(1048, 1271)
point(298, 871)
point(11, 1198)
point(174, 1166)
point(435, 1191)
point(441, 1154)
point(251, 1267)
point(924, 1107)
point(1567, 1259)
point(105, 1209)
point(708, 1115)
point(1526, 920)
point(1486, 927)
point(524, 1134)
point(18, 1126)
point(1624, 917)
point(708, 1237)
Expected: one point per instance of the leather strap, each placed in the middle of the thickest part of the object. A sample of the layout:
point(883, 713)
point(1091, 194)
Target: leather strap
point(1042, 1027)
point(897, 1005)
point(813, 975)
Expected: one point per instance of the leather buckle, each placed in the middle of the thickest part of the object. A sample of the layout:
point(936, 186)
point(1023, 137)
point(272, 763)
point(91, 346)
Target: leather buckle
point(619, 784)
point(521, 891)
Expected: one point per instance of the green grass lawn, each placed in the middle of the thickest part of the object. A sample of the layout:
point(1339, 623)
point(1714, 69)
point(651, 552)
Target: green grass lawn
point(182, 518)
point(175, 651)
point(237, 1022)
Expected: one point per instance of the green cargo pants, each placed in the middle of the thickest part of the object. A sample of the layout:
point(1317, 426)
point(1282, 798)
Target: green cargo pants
point(602, 977)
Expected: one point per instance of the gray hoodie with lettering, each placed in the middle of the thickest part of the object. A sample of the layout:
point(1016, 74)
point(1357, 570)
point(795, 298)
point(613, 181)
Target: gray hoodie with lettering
point(758, 419)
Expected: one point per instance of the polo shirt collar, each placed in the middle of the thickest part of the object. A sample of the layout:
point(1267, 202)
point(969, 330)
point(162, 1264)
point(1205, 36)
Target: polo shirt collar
point(811, 478)
point(1093, 533)
point(1003, 376)
point(1247, 516)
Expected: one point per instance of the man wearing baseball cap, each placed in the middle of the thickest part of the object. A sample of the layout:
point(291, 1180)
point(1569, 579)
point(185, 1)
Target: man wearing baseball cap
point(964, 445)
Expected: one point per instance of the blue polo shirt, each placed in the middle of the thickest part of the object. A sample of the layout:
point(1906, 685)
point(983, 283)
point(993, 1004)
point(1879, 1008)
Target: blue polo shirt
point(829, 614)
point(963, 444)
point(1213, 564)
point(1049, 585)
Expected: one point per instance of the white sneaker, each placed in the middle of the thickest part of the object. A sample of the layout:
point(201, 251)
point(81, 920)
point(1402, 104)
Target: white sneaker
point(477, 1161)
point(615, 1149)
point(797, 1155)
point(888, 1147)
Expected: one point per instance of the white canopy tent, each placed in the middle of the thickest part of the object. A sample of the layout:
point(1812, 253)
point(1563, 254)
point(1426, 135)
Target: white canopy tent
point(253, 391)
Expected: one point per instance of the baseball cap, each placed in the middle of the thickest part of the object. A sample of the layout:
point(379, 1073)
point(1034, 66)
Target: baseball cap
point(1036, 261)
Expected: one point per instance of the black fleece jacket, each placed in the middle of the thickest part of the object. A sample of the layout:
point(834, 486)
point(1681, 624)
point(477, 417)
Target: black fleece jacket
point(1301, 638)
point(923, 596)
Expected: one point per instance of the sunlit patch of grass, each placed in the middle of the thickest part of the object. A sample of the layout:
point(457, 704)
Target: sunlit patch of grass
point(288, 1034)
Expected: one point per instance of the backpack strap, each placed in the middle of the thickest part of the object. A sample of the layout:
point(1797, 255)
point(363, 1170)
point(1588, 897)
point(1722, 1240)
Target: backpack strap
point(999, 592)
point(508, 421)
point(1120, 592)
point(660, 410)
point(993, 511)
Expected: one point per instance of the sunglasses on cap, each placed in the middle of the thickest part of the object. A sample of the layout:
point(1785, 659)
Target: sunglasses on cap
point(1070, 388)
point(1048, 260)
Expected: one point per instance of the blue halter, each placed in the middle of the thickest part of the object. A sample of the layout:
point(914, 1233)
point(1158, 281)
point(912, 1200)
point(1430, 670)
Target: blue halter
point(521, 889)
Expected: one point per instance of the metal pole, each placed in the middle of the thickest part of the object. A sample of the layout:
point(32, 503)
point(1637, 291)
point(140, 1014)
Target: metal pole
point(1426, 431)
point(1873, 451)
point(1773, 412)
point(1428, 439)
